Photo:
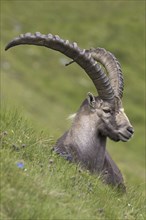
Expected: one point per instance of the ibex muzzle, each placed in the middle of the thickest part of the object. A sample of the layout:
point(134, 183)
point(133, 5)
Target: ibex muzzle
point(98, 117)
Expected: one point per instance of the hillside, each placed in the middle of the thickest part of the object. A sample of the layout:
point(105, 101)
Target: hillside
point(35, 81)
point(37, 184)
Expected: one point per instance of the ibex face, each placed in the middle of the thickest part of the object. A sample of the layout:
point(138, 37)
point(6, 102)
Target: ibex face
point(109, 118)
point(114, 122)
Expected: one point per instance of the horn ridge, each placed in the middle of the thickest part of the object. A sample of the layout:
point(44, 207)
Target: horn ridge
point(81, 56)
point(113, 68)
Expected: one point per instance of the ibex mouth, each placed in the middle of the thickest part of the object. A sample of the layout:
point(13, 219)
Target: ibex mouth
point(125, 137)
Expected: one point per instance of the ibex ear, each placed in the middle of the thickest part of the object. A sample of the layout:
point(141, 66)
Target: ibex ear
point(91, 100)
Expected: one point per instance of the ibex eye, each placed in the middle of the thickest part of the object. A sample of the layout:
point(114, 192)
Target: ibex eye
point(107, 110)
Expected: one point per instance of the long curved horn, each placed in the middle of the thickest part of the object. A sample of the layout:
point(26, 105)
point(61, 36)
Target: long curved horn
point(81, 57)
point(113, 68)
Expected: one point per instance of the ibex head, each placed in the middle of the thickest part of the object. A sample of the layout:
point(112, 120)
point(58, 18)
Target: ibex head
point(110, 117)
point(114, 122)
point(107, 107)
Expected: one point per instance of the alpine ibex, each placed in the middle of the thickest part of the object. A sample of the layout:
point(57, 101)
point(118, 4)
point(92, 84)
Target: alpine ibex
point(98, 117)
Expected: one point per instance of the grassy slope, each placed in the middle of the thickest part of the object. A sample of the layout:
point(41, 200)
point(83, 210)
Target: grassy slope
point(48, 187)
point(31, 81)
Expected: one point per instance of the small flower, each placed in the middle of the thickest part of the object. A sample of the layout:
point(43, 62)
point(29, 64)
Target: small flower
point(20, 141)
point(15, 147)
point(51, 161)
point(23, 145)
point(20, 165)
point(5, 133)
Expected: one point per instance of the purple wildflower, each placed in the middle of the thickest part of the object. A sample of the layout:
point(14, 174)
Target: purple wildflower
point(20, 165)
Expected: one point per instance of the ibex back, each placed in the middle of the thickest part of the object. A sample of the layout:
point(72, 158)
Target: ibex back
point(98, 117)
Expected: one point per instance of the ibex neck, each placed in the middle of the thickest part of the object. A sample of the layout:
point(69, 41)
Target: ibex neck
point(88, 142)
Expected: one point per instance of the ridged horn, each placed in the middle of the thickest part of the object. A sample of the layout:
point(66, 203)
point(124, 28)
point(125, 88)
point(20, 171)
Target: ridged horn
point(113, 68)
point(80, 56)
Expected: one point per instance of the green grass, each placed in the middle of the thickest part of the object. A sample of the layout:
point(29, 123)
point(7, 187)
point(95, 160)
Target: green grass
point(48, 187)
point(35, 82)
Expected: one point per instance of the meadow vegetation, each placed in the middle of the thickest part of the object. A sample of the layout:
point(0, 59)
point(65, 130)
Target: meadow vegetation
point(38, 93)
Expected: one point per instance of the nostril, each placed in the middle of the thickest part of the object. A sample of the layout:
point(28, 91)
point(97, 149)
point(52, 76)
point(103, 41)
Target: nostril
point(130, 129)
